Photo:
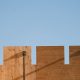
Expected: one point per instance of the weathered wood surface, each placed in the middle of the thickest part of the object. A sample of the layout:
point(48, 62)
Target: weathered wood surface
point(74, 54)
point(1, 72)
point(50, 61)
point(50, 64)
point(13, 63)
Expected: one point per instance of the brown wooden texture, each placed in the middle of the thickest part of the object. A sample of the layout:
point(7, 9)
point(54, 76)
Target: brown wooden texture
point(50, 63)
point(74, 54)
point(13, 63)
point(1, 72)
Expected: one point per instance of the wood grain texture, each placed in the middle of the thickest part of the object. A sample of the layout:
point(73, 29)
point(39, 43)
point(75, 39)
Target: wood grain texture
point(50, 60)
point(50, 63)
point(13, 63)
point(1, 72)
point(74, 54)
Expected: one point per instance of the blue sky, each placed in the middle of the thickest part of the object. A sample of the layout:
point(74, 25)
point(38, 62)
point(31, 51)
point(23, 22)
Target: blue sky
point(39, 22)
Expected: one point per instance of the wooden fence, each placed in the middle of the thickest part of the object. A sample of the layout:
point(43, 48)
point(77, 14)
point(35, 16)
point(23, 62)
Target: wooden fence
point(50, 63)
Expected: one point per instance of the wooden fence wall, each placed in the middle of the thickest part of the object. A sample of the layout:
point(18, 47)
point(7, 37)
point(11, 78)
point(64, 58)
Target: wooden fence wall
point(50, 63)
point(13, 64)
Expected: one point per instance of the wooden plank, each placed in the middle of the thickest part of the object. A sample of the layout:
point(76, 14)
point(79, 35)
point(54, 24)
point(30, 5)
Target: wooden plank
point(74, 54)
point(1, 72)
point(50, 64)
point(13, 63)
point(49, 60)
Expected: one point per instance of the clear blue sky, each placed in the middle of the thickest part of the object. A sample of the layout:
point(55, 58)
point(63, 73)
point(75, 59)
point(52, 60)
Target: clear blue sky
point(39, 22)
